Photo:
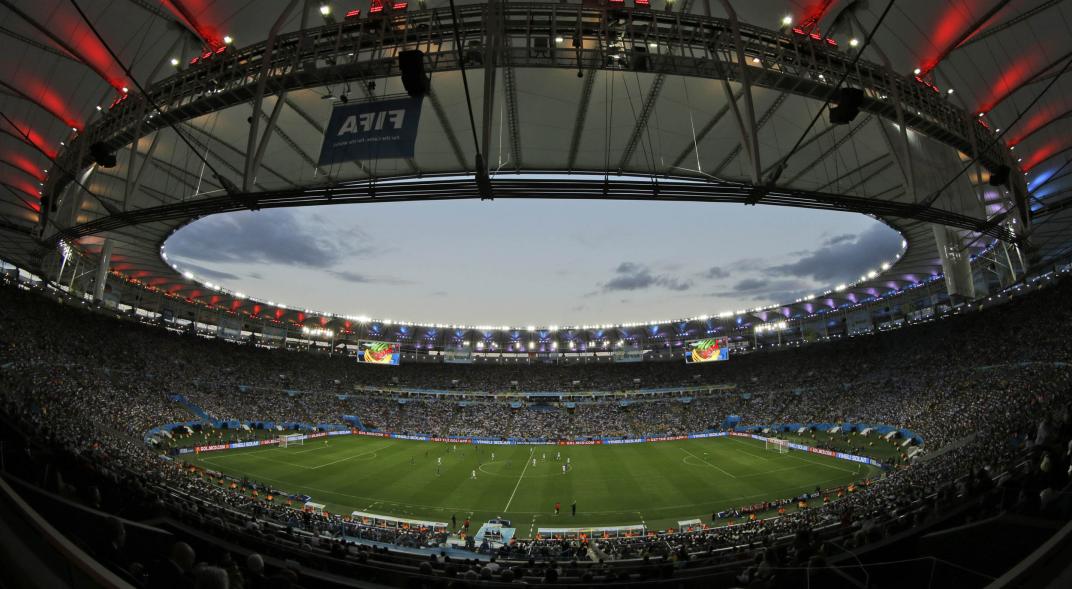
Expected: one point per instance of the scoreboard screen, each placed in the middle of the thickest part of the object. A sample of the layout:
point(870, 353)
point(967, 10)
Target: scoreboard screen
point(378, 353)
point(715, 349)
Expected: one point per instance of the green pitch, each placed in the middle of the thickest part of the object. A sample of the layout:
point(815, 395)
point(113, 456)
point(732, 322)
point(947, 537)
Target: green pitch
point(656, 484)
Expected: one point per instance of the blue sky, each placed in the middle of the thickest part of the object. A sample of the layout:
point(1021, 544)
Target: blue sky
point(540, 262)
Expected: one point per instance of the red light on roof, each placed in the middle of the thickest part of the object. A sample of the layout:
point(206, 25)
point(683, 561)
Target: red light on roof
point(194, 60)
point(617, 1)
point(831, 42)
point(206, 55)
point(816, 36)
point(642, 2)
point(221, 49)
point(353, 13)
point(798, 31)
point(376, 6)
point(400, 6)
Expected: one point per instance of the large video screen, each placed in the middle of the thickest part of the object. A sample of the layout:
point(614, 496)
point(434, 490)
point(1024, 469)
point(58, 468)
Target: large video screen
point(715, 349)
point(378, 353)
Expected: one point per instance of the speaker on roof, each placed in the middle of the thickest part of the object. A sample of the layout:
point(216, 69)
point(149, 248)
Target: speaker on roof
point(640, 58)
point(848, 106)
point(411, 63)
point(104, 157)
point(999, 176)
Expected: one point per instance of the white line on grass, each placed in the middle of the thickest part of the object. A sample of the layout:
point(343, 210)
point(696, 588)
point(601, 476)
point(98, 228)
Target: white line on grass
point(752, 454)
point(708, 463)
point(349, 458)
point(802, 459)
point(511, 499)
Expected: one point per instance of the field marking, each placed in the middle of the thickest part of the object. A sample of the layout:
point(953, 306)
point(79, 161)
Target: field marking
point(823, 463)
point(374, 454)
point(511, 499)
point(611, 512)
point(259, 457)
point(293, 464)
point(706, 462)
point(752, 454)
point(307, 451)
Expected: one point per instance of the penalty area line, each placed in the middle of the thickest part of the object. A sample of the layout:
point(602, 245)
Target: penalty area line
point(511, 499)
point(708, 463)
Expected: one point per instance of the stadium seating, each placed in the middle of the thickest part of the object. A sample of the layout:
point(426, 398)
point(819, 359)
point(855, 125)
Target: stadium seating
point(988, 392)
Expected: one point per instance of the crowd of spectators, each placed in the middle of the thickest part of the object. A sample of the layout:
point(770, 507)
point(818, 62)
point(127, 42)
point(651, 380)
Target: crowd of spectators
point(980, 389)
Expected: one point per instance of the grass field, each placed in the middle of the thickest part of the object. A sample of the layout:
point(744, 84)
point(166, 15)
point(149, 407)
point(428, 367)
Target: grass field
point(654, 483)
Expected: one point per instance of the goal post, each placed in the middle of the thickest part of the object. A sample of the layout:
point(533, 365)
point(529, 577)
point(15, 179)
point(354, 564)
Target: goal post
point(776, 445)
point(291, 440)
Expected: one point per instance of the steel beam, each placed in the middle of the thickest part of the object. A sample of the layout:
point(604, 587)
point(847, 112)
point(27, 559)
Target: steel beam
point(262, 82)
point(567, 189)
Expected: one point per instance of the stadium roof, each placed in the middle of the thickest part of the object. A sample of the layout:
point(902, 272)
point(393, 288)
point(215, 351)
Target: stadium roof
point(638, 107)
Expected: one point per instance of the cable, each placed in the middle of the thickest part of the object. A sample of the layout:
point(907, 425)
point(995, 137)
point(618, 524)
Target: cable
point(228, 185)
point(785, 160)
point(481, 171)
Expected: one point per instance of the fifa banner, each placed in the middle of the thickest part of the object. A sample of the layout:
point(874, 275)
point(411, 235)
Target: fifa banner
point(715, 349)
point(378, 353)
point(371, 130)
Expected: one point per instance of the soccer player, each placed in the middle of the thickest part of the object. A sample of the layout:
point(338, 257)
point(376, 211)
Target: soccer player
point(439, 461)
point(474, 474)
point(567, 460)
point(573, 507)
point(558, 507)
point(534, 461)
point(558, 456)
point(493, 457)
point(543, 457)
point(563, 469)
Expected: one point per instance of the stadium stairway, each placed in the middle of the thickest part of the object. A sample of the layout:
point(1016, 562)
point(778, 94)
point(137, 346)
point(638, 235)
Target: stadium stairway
point(194, 409)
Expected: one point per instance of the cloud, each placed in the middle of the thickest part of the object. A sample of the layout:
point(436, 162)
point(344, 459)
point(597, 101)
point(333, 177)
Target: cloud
point(274, 236)
point(716, 272)
point(843, 259)
point(750, 284)
point(767, 290)
point(633, 276)
point(202, 272)
point(839, 239)
point(356, 277)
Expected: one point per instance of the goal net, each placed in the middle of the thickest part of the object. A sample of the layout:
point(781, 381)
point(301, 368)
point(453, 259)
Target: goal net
point(291, 440)
point(775, 445)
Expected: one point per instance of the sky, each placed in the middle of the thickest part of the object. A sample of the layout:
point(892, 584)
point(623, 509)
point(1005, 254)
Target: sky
point(531, 262)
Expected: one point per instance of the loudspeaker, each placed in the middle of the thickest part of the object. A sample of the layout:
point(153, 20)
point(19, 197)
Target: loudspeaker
point(999, 176)
point(411, 63)
point(104, 157)
point(848, 106)
point(640, 58)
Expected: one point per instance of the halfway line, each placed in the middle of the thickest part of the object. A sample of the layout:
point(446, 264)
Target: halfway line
point(511, 499)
